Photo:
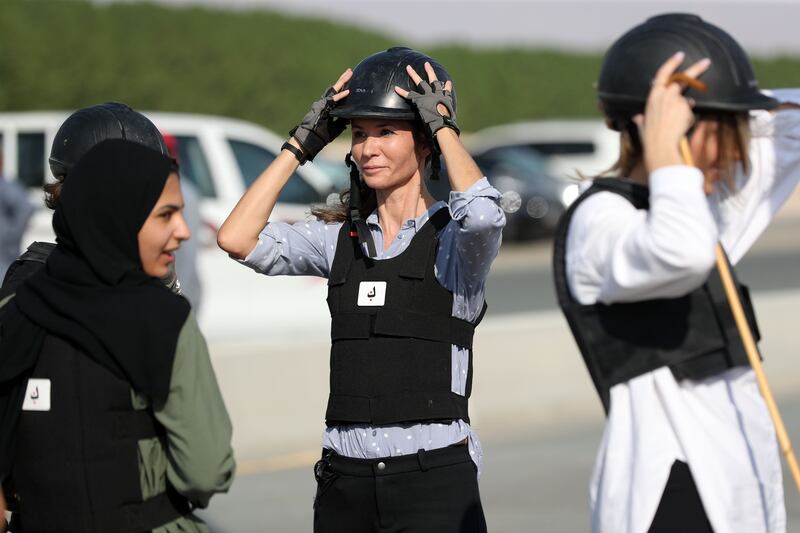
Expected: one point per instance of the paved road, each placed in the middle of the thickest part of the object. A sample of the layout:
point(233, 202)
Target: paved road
point(539, 440)
point(532, 481)
point(521, 279)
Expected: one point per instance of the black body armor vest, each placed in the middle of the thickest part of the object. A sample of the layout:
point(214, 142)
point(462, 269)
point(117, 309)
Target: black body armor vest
point(76, 465)
point(25, 266)
point(694, 335)
point(391, 363)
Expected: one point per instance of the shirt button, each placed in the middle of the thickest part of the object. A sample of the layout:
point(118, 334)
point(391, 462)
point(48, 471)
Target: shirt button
point(374, 432)
point(381, 466)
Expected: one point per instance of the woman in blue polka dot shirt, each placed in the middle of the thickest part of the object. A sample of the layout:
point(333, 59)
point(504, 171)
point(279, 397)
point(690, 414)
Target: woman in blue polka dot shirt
point(406, 279)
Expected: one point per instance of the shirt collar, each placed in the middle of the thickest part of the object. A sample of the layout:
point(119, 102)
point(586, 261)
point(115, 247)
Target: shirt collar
point(372, 219)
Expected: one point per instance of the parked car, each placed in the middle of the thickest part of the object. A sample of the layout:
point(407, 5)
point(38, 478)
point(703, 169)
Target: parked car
point(572, 148)
point(533, 198)
point(221, 157)
point(337, 172)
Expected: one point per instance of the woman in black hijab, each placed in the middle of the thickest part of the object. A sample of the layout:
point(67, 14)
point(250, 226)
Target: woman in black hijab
point(104, 375)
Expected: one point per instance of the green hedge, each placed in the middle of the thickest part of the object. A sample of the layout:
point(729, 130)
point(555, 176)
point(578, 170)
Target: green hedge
point(261, 66)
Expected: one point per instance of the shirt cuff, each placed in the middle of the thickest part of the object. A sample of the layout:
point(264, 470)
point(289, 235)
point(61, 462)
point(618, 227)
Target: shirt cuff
point(763, 122)
point(459, 200)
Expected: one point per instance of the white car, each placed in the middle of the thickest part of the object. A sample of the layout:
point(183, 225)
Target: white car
point(572, 148)
point(221, 156)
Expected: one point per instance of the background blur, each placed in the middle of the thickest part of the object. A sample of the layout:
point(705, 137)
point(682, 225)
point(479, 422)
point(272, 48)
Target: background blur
point(265, 61)
point(266, 66)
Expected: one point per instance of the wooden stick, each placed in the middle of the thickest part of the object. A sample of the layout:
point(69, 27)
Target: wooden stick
point(750, 346)
point(686, 153)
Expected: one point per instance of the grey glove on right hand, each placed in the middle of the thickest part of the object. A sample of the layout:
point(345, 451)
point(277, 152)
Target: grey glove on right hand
point(426, 102)
point(318, 127)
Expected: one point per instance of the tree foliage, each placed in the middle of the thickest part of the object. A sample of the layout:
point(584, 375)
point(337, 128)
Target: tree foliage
point(262, 66)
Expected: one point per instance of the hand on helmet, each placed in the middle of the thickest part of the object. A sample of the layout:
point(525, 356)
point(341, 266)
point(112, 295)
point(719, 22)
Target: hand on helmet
point(668, 114)
point(433, 100)
point(318, 127)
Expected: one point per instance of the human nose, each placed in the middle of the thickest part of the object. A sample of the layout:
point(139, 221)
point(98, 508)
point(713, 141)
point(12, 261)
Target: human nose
point(371, 146)
point(181, 231)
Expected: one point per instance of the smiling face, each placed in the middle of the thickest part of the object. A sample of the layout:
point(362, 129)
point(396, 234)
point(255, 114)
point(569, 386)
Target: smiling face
point(163, 231)
point(387, 152)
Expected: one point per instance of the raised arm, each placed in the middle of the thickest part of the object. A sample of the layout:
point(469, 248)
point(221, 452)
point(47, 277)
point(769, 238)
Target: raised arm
point(239, 233)
point(435, 105)
point(773, 176)
point(616, 253)
point(473, 202)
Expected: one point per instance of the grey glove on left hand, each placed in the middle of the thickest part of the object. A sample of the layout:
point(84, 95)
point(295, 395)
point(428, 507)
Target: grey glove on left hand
point(432, 94)
point(318, 127)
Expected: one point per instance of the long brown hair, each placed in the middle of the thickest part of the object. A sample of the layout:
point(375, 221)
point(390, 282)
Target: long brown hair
point(733, 136)
point(338, 212)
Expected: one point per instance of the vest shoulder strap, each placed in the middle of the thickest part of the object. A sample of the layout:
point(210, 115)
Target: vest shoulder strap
point(346, 249)
point(422, 249)
point(637, 194)
point(38, 251)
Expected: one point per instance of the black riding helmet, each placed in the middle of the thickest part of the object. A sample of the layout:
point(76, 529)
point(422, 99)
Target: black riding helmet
point(372, 95)
point(632, 61)
point(88, 126)
point(372, 86)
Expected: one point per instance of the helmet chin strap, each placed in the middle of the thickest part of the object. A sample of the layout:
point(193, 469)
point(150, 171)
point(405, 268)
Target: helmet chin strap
point(436, 165)
point(358, 226)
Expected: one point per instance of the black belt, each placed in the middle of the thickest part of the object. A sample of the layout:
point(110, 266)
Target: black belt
point(421, 461)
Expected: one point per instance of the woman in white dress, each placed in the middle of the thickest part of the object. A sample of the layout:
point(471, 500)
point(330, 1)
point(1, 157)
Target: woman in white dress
point(688, 445)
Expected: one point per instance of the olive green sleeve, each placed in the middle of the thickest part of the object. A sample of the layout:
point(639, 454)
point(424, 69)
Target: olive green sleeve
point(200, 457)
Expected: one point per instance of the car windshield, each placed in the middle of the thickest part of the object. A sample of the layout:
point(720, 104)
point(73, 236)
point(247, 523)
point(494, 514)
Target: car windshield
point(194, 166)
point(30, 159)
point(521, 163)
point(253, 159)
point(336, 171)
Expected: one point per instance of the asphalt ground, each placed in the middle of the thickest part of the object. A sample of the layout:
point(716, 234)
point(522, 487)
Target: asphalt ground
point(533, 404)
point(532, 481)
point(521, 277)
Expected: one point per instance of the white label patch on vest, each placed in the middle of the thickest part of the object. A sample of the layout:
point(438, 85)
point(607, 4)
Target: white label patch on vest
point(371, 293)
point(37, 396)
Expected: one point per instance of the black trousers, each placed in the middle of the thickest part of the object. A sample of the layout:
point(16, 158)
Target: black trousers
point(680, 508)
point(428, 492)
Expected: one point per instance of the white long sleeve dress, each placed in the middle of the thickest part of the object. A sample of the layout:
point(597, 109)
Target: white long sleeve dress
point(719, 426)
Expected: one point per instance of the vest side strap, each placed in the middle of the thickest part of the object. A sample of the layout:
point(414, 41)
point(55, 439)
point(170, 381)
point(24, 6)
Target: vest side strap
point(387, 409)
point(402, 323)
point(157, 511)
point(139, 424)
point(351, 326)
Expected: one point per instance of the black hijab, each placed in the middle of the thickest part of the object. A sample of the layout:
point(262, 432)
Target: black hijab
point(92, 290)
